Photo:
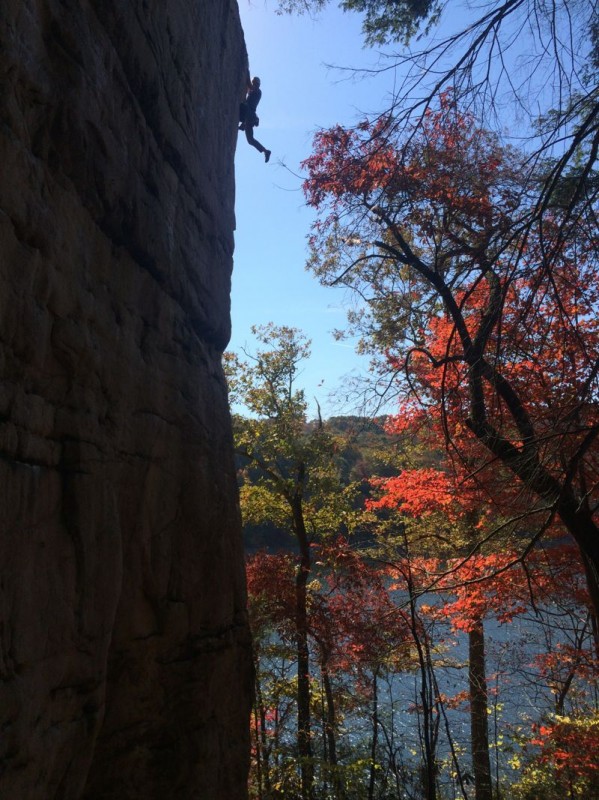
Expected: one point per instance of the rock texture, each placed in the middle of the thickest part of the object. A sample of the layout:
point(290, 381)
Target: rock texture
point(124, 651)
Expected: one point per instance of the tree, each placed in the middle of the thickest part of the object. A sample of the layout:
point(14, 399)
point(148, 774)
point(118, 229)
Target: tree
point(431, 495)
point(384, 20)
point(497, 339)
point(294, 480)
point(274, 696)
point(498, 585)
point(533, 60)
point(565, 765)
point(371, 624)
point(357, 627)
point(481, 582)
point(355, 632)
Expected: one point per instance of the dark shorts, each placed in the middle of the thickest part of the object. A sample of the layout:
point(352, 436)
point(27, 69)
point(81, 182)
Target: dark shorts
point(247, 116)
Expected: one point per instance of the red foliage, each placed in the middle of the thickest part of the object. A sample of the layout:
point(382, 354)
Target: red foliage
point(570, 747)
point(548, 360)
point(271, 589)
point(351, 616)
point(423, 492)
point(499, 584)
point(503, 342)
point(496, 583)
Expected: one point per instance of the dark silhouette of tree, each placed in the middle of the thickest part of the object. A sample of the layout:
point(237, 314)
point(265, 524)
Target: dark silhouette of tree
point(526, 65)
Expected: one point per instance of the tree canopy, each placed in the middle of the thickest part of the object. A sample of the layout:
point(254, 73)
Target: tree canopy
point(487, 322)
point(384, 20)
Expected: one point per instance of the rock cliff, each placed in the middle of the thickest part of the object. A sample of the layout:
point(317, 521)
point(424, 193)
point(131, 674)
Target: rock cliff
point(124, 651)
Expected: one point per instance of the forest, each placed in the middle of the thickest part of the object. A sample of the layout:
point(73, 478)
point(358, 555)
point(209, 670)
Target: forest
point(409, 641)
point(424, 586)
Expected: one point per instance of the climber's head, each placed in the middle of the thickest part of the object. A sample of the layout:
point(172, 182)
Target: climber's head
point(256, 82)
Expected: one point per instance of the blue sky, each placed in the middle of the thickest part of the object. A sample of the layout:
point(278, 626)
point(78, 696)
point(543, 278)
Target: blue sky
point(299, 95)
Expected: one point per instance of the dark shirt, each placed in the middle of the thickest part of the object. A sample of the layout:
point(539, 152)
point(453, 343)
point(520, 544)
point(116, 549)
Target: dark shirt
point(253, 99)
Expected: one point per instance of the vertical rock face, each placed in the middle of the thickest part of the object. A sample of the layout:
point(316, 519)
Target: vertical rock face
point(124, 652)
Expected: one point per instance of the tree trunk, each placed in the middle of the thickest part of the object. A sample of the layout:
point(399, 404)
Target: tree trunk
point(375, 732)
point(428, 771)
point(526, 462)
point(592, 577)
point(263, 748)
point(304, 743)
point(580, 524)
point(330, 728)
point(479, 725)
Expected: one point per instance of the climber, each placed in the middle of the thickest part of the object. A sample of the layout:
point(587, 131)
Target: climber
point(249, 119)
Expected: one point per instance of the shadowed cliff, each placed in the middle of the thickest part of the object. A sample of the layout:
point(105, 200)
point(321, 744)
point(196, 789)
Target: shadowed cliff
point(124, 649)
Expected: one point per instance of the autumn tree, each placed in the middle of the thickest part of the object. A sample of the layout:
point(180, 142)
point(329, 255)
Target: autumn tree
point(444, 517)
point(493, 341)
point(358, 628)
point(474, 583)
point(289, 476)
point(564, 765)
point(373, 632)
point(356, 633)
